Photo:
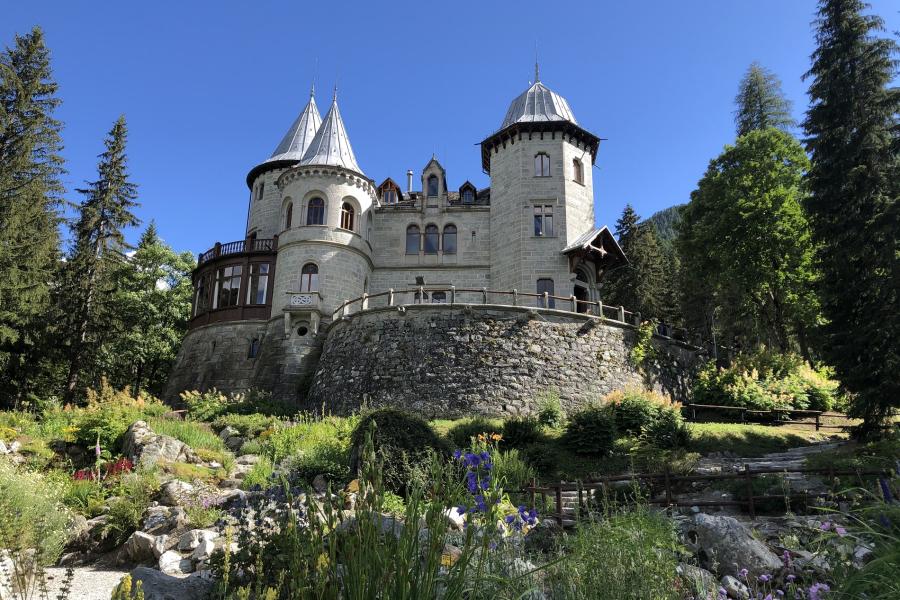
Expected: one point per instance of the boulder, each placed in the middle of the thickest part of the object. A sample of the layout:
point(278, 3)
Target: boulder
point(725, 544)
point(203, 550)
point(228, 432)
point(699, 580)
point(190, 540)
point(139, 547)
point(3, 448)
point(172, 563)
point(161, 543)
point(735, 588)
point(164, 519)
point(175, 492)
point(544, 537)
point(159, 586)
point(147, 448)
point(320, 484)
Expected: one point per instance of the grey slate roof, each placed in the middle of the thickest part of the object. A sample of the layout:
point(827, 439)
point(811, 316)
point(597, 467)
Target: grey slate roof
point(298, 138)
point(538, 103)
point(331, 146)
point(608, 245)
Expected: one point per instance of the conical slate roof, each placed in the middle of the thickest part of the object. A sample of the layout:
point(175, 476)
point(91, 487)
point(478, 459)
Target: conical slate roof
point(538, 103)
point(331, 146)
point(300, 135)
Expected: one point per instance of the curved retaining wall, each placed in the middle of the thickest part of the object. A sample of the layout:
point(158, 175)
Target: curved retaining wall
point(452, 361)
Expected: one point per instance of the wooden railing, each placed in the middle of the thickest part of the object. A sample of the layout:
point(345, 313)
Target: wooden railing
point(670, 496)
point(238, 247)
point(473, 296)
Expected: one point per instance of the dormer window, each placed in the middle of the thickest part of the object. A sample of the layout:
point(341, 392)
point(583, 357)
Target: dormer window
point(578, 171)
point(390, 196)
point(432, 186)
point(542, 164)
point(468, 196)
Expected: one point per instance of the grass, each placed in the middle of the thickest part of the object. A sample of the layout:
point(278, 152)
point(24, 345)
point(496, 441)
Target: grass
point(750, 440)
point(197, 435)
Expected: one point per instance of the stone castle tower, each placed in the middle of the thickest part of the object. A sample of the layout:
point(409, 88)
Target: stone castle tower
point(321, 233)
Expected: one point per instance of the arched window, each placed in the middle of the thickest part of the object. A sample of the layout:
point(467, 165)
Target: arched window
point(315, 212)
point(412, 239)
point(347, 215)
point(468, 196)
point(288, 215)
point(450, 239)
point(309, 278)
point(432, 185)
point(432, 239)
point(578, 170)
point(542, 164)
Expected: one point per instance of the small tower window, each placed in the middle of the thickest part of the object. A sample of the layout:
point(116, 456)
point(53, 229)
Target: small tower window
point(347, 216)
point(545, 286)
point(260, 190)
point(468, 196)
point(450, 239)
point(578, 170)
point(254, 348)
point(390, 196)
point(543, 220)
point(432, 239)
point(315, 212)
point(542, 165)
point(412, 239)
point(432, 186)
point(309, 278)
point(288, 215)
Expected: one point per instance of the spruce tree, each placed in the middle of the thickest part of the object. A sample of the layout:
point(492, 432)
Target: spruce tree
point(639, 285)
point(99, 249)
point(852, 137)
point(761, 103)
point(30, 196)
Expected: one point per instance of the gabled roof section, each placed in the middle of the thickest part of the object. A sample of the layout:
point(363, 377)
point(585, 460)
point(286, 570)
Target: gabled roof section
point(331, 145)
point(298, 138)
point(600, 243)
point(436, 162)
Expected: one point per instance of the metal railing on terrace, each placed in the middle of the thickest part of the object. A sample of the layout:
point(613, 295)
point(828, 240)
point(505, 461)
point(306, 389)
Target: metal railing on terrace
point(239, 247)
point(453, 295)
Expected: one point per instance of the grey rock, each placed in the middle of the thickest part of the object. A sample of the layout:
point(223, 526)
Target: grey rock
point(725, 544)
point(15, 446)
point(545, 537)
point(735, 588)
point(193, 538)
point(147, 448)
point(161, 543)
point(160, 586)
point(320, 484)
point(247, 459)
point(455, 519)
point(228, 432)
point(164, 519)
point(139, 547)
point(175, 492)
point(172, 563)
point(700, 580)
point(3, 448)
point(203, 550)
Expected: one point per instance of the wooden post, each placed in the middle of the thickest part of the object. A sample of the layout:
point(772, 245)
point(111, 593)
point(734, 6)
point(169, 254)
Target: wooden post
point(600, 308)
point(817, 421)
point(749, 479)
point(743, 415)
point(668, 485)
point(484, 295)
point(452, 294)
point(637, 319)
point(515, 297)
point(546, 299)
point(621, 314)
point(533, 485)
point(391, 297)
point(580, 500)
point(559, 507)
point(574, 304)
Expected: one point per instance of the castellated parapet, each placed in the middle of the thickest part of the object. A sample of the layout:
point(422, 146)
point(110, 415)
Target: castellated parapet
point(270, 311)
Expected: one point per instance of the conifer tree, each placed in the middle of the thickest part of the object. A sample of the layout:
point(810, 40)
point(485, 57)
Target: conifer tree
point(852, 137)
point(30, 195)
point(761, 103)
point(98, 250)
point(639, 286)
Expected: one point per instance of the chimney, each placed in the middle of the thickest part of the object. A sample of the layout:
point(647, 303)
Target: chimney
point(409, 175)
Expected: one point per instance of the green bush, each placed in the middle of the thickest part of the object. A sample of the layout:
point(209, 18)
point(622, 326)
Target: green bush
point(634, 410)
point(249, 426)
point(304, 436)
point(260, 475)
point(512, 470)
point(668, 430)
point(205, 406)
point(519, 432)
point(133, 496)
point(730, 387)
point(108, 415)
point(331, 460)
point(461, 433)
point(550, 411)
point(591, 431)
point(402, 440)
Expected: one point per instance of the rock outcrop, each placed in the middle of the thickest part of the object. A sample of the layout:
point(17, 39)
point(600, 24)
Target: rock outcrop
point(145, 447)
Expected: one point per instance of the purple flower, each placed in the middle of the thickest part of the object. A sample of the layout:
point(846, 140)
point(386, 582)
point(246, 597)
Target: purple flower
point(485, 456)
point(457, 454)
point(743, 573)
point(816, 589)
point(765, 577)
point(825, 526)
point(840, 531)
point(509, 519)
point(790, 578)
point(462, 508)
point(723, 593)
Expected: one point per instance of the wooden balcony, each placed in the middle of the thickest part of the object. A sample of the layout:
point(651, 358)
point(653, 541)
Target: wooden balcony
point(245, 246)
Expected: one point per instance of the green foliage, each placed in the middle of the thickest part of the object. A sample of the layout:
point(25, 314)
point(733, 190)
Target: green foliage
point(748, 440)
point(84, 496)
point(403, 442)
point(213, 405)
point(108, 415)
point(33, 524)
point(202, 516)
point(665, 222)
point(519, 432)
point(205, 406)
point(249, 426)
point(307, 435)
point(199, 436)
point(462, 432)
point(634, 409)
point(591, 431)
point(328, 458)
point(550, 411)
point(760, 102)
point(133, 496)
point(511, 469)
point(851, 134)
point(644, 350)
point(260, 475)
point(746, 246)
point(668, 430)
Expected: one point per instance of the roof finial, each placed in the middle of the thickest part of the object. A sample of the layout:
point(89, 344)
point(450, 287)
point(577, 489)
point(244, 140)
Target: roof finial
point(537, 69)
point(312, 90)
point(334, 96)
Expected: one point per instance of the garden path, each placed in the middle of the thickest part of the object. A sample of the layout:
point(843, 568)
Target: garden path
point(90, 582)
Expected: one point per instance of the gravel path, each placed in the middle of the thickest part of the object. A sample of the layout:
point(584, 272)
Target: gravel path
point(94, 582)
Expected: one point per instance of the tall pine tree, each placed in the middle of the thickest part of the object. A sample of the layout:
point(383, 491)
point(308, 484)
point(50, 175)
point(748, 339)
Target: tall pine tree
point(852, 137)
point(30, 196)
point(98, 251)
point(761, 103)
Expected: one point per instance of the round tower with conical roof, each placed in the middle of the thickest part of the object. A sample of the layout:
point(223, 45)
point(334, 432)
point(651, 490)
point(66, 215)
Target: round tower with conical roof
point(542, 198)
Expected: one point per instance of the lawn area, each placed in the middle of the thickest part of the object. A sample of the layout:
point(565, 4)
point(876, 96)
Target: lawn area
point(752, 440)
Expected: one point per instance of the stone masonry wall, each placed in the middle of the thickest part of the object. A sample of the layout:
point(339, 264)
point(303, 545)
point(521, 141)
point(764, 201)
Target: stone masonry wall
point(452, 361)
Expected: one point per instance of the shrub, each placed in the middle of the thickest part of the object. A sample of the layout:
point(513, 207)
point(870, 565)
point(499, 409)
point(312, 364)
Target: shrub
point(205, 406)
point(550, 411)
point(134, 493)
point(108, 415)
point(461, 433)
point(249, 426)
point(668, 430)
point(330, 460)
point(519, 432)
point(402, 440)
point(306, 435)
point(591, 431)
point(634, 410)
point(730, 387)
point(512, 471)
point(260, 475)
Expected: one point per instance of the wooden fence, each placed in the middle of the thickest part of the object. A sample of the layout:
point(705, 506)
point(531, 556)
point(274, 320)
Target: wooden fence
point(670, 496)
point(776, 416)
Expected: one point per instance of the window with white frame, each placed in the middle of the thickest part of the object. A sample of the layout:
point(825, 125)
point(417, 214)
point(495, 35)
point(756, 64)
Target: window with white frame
point(542, 164)
point(543, 220)
point(309, 278)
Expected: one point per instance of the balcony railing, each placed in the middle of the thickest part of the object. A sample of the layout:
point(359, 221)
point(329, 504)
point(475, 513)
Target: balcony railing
point(245, 246)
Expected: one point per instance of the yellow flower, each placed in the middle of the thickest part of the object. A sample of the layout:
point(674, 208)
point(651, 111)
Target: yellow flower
point(322, 562)
point(496, 437)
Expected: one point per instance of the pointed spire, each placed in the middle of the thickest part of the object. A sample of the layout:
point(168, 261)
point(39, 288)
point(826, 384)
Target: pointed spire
point(331, 146)
point(537, 72)
point(297, 139)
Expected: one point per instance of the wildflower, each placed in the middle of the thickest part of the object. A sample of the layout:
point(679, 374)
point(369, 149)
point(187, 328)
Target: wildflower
point(786, 558)
point(790, 578)
point(825, 526)
point(840, 531)
point(816, 589)
point(723, 593)
point(97, 447)
point(496, 437)
point(765, 577)
point(509, 519)
point(457, 454)
point(743, 573)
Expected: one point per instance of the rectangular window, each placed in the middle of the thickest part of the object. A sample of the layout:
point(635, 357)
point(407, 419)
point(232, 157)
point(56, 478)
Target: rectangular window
point(543, 220)
point(390, 196)
point(545, 286)
point(228, 286)
point(259, 283)
point(201, 298)
point(262, 188)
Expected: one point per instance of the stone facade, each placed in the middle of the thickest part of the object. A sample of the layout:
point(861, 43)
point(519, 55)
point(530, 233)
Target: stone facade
point(453, 361)
point(531, 232)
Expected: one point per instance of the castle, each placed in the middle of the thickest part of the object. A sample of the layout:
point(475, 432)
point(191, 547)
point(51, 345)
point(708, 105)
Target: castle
point(325, 243)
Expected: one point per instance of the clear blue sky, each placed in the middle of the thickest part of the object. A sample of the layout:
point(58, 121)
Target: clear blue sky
point(209, 88)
